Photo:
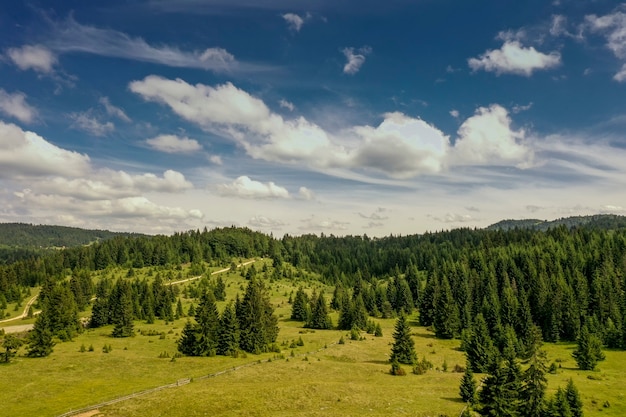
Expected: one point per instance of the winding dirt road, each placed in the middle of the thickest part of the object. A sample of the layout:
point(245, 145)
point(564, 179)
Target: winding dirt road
point(26, 327)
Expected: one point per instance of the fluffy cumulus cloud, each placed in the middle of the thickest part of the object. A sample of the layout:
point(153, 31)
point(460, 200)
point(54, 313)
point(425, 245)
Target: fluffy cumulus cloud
point(487, 138)
point(306, 194)
point(24, 153)
point(355, 59)
point(514, 58)
point(35, 57)
point(174, 144)
point(401, 146)
point(14, 105)
point(47, 179)
point(244, 187)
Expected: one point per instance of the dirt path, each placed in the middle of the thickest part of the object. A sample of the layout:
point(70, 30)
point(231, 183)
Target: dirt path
point(221, 271)
point(26, 327)
point(24, 313)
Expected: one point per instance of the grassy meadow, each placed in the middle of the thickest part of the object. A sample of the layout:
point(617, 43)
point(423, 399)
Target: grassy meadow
point(320, 378)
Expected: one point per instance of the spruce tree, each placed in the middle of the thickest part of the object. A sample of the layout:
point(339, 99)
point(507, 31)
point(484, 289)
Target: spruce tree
point(446, 320)
point(228, 333)
point(188, 342)
point(299, 306)
point(207, 318)
point(319, 314)
point(40, 342)
point(258, 324)
point(497, 396)
point(534, 382)
point(403, 349)
point(480, 350)
point(573, 399)
point(467, 388)
point(589, 350)
point(121, 302)
point(10, 344)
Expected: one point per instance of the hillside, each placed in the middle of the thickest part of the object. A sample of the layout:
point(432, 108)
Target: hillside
point(599, 221)
point(45, 236)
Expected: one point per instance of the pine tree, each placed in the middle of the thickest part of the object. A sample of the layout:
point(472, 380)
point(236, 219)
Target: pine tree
point(258, 324)
point(40, 342)
point(589, 350)
point(188, 342)
point(207, 318)
point(446, 320)
point(467, 388)
point(319, 314)
point(573, 399)
point(300, 302)
point(403, 350)
point(121, 302)
point(228, 333)
point(497, 396)
point(481, 352)
point(179, 309)
point(10, 344)
point(534, 381)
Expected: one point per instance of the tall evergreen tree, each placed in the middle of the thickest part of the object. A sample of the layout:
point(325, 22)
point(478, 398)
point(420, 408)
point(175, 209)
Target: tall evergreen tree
point(299, 306)
point(188, 342)
point(40, 341)
point(498, 397)
point(446, 320)
point(207, 318)
point(121, 302)
point(534, 381)
point(589, 350)
point(319, 314)
point(228, 332)
point(258, 324)
point(573, 399)
point(403, 349)
point(467, 388)
point(480, 350)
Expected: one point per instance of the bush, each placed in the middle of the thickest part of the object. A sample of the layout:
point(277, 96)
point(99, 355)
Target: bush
point(422, 366)
point(396, 369)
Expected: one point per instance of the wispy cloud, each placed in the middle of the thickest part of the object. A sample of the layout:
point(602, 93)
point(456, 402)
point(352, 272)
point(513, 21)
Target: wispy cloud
point(87, 122)
point(69, 36)
point(174, 144)
point(355, 59)
point(514, 58)
point(113, 110)
point(14, 105)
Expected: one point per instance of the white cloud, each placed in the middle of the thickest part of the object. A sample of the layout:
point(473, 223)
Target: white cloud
point(377, 215)
point(355, 60)
point(245, 187)
point(266, 222)
point(286, 105)
point(518, 108)
point(215, 159)
point(327, 224)
point(113, 110)
point(294, 21)
point(454, 113)
point(71, 36)
point(454, 218)
point(306, 194)
point(513, 58)
point(24, 153)
point(620, 76)
point(86, 122)
point(613, 27)
point(487, 138)
point(401, 147)
point(35, 57)
point(15, 105)
point(109, 184)
point(174, 144)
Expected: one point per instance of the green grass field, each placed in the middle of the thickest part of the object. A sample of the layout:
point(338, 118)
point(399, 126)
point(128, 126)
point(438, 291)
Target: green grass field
point(339, 380)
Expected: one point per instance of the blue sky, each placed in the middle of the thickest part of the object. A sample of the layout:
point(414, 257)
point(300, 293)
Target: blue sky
point(340, 117)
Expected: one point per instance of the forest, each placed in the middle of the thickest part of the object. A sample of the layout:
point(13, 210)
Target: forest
point(501, 291)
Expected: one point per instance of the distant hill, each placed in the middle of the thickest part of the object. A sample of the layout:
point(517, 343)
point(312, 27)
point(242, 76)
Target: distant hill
point(43, 236)
point(598, 221)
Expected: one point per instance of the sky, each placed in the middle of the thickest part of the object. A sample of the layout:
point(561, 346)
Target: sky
point(301, 116)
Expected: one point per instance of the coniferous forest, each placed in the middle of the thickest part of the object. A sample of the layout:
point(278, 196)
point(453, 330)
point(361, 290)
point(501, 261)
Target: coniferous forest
point(502, 292)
